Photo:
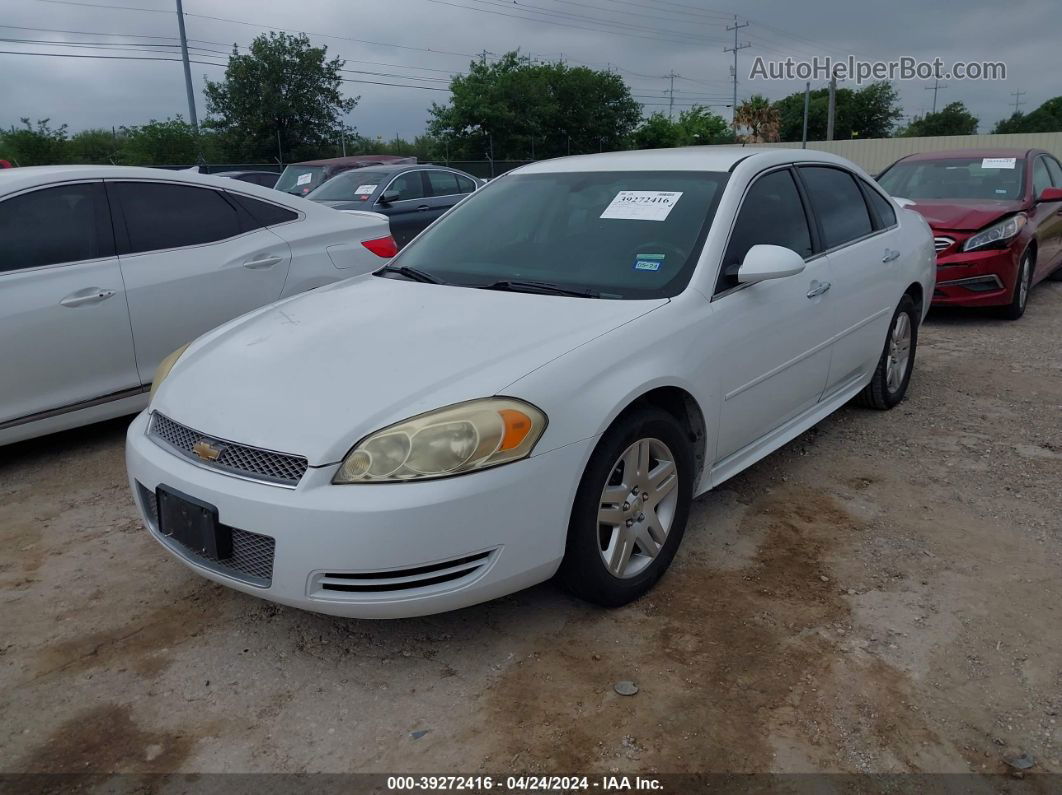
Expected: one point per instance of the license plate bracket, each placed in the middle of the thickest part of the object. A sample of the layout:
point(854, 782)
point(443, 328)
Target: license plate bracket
point(193, 523)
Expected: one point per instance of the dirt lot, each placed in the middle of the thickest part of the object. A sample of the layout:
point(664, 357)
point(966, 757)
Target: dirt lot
point(883, 594)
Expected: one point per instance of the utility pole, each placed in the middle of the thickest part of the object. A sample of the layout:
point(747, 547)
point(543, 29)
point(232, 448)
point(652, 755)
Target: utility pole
point(831, 108)
point(937, 85)
point(187, 69)
point(483, 57)
point(1018, 101)
point(736, 27)
point(807, 99)
point(671, 95)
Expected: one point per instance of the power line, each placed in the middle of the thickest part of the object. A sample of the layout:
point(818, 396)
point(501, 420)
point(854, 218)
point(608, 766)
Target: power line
point(937, 85)
point(1018, 101)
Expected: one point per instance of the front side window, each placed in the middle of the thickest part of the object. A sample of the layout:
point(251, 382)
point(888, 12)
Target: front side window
point(162, 216)
point(838, 204)
point(1056, 171)
point(407, 186)
point(957, 178)
point(68, 223)
point(771, 214)
point(626, 234)
point(1041, 177)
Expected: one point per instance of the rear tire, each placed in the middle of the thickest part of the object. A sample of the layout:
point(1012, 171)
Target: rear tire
point(893, 373)
point(630, 510)
point(1020, 298)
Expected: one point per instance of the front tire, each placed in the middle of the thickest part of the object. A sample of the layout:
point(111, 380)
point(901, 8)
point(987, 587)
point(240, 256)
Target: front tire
point(893, 373)
point(630, 510)
point(1020, 298)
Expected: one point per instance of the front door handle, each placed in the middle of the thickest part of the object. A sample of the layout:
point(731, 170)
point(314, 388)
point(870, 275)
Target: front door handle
point(890, 255)
point(818, 288)
point(90, 295)
point(263, 262)
point(424, 207)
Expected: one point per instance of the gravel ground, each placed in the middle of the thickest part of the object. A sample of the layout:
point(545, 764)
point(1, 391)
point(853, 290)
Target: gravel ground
point(882, 594)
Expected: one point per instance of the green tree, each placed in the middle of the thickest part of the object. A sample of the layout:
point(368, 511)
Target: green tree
point(94, 146)
point(870, 112)
point(953, 119)
point(160, 143)
point(512, 108)
point(656, 132)
point(1046, 118)
point(283, 93)
point(699, 126)
point(38, 145)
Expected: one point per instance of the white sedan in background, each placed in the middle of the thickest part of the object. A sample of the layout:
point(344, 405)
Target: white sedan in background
point(539, 384)
point(104, 270)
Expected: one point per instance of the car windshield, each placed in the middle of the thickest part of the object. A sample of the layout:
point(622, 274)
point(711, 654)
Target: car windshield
point(350, 186)
point(626, 234)
point(300, 180)
point(957, 178)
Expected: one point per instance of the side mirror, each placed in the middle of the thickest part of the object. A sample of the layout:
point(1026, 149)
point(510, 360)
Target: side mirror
point(390, 196)
point(1051, 195)
point(765, 262)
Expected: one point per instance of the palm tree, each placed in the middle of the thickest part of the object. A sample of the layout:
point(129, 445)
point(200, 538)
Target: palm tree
point(760, 118)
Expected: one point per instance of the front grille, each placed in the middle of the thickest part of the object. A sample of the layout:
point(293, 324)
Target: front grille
point(252, 554)
point(237, 459)
point(941, 243)
point(379, 582)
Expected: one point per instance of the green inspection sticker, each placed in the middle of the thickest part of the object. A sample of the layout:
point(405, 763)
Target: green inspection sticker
point(648, 262)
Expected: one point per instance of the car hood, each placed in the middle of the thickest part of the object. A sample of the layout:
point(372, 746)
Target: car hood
point(313, 374)
point(963, 215)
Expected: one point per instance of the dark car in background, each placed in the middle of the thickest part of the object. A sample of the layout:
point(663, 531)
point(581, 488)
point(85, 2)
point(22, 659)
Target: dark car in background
point(410, 196)
point(996, 216)
point(267, 179)
point(301, 178)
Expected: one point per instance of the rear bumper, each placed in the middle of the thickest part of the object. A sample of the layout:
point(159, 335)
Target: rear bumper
point(976, 278)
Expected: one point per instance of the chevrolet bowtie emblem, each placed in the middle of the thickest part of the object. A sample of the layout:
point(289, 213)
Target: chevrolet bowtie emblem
point(206, 450)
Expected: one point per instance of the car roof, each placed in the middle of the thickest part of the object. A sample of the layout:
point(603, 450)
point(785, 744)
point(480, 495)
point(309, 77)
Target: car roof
point(688, 158)
point(946, 154)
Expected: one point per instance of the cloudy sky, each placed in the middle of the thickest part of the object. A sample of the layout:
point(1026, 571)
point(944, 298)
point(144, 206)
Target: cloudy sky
point(415, 44)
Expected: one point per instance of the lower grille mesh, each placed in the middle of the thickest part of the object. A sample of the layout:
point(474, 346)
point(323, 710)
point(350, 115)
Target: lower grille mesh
point(252, 554)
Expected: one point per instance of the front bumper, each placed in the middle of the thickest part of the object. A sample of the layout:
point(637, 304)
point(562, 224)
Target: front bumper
point(374, 551)
point(976, 278)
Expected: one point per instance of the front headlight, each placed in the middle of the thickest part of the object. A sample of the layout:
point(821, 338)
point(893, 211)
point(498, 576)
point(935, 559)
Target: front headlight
point(448, 441)
point(997, 233)
point(165, 366)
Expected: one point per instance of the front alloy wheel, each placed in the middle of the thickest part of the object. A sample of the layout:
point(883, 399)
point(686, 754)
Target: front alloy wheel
point(1020, 297)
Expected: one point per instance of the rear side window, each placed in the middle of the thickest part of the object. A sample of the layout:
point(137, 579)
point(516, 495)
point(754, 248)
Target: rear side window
point(407, 186)
point(264, 213)
point(161, 216)
point(68, 223)
point(443, 183)
point(838, 203)
point(882, 207)
point(467, 185)
point(771, 214)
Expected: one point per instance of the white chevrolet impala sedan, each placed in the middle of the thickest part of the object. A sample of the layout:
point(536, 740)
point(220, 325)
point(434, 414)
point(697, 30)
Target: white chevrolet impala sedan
point(538, 385)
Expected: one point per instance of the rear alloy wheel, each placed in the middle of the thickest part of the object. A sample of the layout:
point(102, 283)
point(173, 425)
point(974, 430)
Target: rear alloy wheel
point(1020, 297)
point(630, 511)
point(893, 373)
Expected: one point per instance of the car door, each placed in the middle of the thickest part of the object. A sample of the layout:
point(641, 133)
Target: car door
point(864, 253)
point(191, 259)
point(775, 334)
point(408, 212)
point(445, 192)
point(64, 326)
point(1047, 216)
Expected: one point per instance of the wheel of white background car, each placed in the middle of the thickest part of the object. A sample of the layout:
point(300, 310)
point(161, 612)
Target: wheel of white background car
point(893, 373)
point(1020, 297)
point(630, 510)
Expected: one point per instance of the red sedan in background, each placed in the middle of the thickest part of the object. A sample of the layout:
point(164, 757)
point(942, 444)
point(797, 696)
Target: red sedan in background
point(996, 216)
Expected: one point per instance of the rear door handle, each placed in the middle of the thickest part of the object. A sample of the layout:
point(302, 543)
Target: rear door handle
point(818, 288)
point(263, 262)
point(90, 295)
point(890, 255)
point(424, 207)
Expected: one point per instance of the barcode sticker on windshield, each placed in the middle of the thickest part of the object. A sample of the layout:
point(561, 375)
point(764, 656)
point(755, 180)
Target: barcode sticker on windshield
point(303, 179)
point(998, 162)
point(365, 189)
point(642, 205)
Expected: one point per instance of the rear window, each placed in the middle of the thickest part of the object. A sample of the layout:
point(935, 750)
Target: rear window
point(300, 180)
point(350, 186)
point(628, 234)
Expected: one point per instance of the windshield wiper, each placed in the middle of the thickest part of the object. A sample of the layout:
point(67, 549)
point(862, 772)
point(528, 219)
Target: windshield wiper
point(413, 274)
point(517, 286)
